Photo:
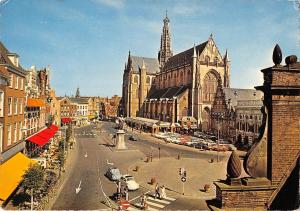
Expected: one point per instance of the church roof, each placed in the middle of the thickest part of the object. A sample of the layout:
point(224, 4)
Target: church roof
point(184, 57)
point(236, 95)
point(168, 92)
point(151, 64)
point(79, 100)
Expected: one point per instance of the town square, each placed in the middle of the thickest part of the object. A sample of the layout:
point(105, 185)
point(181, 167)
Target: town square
point(149, 105)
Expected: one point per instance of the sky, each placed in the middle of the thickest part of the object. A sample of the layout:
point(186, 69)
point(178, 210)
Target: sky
point(86, 42)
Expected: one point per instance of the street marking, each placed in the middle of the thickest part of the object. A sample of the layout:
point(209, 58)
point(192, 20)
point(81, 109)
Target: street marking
point(149, 208)
point(131, 209)
point(169, 198)
point(109, 163)
point(155, 204)
point(139, 196)
point(152, 209)
point(159, 200)
point(79, 188)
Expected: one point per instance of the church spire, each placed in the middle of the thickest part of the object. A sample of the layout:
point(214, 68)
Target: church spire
point(77, 93)
point(165, 43)
point(226, 57)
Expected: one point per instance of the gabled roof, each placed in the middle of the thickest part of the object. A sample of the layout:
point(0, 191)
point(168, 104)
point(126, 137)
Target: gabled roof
point(79, 100)
point(152, 65)
point(184, 57)
point(236, 95)
point(6, 61)
point(168, 92)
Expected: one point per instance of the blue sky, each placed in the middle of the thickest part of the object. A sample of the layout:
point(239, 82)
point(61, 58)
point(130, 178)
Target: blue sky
point(86, 42)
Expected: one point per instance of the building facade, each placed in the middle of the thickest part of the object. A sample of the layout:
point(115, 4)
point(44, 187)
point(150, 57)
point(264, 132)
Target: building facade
point(13, 99)
point(174, 86)
point(236, 114)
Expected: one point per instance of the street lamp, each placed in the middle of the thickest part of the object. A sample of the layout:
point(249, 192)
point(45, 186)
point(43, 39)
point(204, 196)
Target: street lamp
point(219, 116)
point(65, 132)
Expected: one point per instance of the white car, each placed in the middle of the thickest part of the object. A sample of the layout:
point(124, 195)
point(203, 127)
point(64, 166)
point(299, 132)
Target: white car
point(130, 182)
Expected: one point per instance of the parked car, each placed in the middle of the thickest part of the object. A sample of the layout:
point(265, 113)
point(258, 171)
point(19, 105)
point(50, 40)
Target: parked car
point(133, 138)
point(113, 174)
point(130, 182)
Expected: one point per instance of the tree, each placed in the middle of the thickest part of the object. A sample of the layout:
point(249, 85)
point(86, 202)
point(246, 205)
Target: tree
point(61, 159)
point(33, 179)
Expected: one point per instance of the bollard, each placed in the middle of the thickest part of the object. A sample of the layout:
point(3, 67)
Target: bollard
point(178, 157)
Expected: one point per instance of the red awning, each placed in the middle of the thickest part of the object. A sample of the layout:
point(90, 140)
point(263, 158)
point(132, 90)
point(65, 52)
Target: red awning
point(41, 138)
point(66, 120)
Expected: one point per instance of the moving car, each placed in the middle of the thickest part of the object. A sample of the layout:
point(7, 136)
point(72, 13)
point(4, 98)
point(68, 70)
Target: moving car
point(133, 138)
point(113, 174)
point(130, 182)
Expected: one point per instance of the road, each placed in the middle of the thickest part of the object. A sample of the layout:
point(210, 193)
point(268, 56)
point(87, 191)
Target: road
point(88, 171)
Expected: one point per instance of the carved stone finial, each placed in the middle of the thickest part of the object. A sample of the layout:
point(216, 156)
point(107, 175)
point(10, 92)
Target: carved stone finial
point(234, 167)
point(291, 59)
point(277, 55)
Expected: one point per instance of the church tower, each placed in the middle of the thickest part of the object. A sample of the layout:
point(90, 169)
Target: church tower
point(77, 93)
point(165, 43)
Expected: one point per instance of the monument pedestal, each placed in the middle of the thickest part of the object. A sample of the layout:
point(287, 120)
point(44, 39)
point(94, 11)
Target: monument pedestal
point(120, 140)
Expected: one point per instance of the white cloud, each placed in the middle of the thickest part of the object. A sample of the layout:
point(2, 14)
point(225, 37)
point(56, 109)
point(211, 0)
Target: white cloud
point(117, 4)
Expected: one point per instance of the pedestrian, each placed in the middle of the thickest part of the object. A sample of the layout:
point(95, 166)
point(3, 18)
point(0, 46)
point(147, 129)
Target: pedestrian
point(143, 201)
point(126, 194)
point(163, 192)
point(157, 191)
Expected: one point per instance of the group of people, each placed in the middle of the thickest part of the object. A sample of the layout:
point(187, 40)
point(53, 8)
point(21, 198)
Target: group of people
point(159, 192)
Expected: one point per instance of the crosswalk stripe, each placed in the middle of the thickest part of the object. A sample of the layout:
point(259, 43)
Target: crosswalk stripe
point(169, 198)
point(131, 209)
point(155, 204)
point(159, 200)
point(152, 209)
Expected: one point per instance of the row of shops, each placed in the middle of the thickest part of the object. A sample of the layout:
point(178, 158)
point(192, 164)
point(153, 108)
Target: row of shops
point(155, 126)
point(40, 146)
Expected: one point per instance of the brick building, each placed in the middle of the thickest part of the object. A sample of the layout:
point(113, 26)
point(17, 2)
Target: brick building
point(109, 107)
point(174, 86)
point(273, 161)
point(236, 114)
point(68, 110)
point(13, 100)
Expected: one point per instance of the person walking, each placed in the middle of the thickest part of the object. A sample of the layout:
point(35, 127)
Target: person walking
point(144, 201)
point(157, 191)
point(163, 192)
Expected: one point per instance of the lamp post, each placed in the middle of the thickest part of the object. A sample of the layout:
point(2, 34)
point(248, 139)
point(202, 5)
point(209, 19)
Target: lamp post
point(218, 116)
point(65, 132)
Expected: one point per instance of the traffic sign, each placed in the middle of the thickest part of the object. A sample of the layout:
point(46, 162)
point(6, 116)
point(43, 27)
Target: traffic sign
point(183, 179)
point(124, 204)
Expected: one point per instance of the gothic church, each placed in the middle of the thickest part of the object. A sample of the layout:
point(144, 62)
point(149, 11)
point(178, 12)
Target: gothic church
point(173, 87)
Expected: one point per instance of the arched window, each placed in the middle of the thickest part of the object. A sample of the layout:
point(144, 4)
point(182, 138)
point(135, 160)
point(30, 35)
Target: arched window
point(181, 78)
point(210, 86)
point(148, 80)
point(216, 60)
point(207, 59)
point(136, 79)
